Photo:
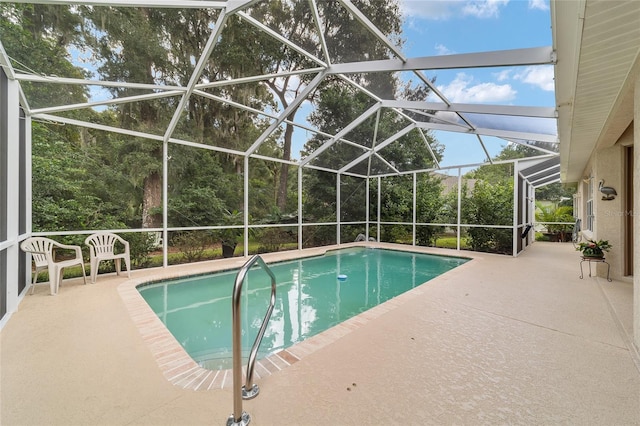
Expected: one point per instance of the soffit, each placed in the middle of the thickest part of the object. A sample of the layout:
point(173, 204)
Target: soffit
point(597, 60)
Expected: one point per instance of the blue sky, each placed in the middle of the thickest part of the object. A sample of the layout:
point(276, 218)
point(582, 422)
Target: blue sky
point(443, 27)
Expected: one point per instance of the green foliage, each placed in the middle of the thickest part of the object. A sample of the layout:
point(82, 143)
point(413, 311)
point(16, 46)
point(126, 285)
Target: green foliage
point(318, 235)
point(230, 236)
point(141, 245)
point(396, 203)
point(349, 233)
point(319, 196)
point(431, 207)
point(490, 204)
point(592, 248)
point(158, 46)
point(62, 196)
point(551, 213)
point(192, 244)
point(396, 234)
point(274, 239)
point(36, 38)
point(493, 174)
point(556, 193)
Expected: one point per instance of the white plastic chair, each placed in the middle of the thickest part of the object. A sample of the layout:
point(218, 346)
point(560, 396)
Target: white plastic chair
point(42, 253)
point(102, 247)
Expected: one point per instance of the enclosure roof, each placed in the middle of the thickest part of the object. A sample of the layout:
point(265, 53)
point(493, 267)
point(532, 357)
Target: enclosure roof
point(541, 172)
point(434, 117)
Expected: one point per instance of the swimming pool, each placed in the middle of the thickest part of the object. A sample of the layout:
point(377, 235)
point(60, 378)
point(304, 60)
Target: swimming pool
point(313, 294)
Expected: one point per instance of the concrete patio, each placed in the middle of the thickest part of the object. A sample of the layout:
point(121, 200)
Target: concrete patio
point(499, 340)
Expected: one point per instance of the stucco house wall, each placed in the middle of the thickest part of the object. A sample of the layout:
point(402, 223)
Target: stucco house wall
point(608, 163)
point(636, 217)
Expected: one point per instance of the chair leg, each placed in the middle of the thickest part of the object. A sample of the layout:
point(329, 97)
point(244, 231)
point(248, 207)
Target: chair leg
point(84, 273)
point(59, 280)
point(117, 262)
point(53, 277)
point(127, 262)
point(94, 270)
point(35, 278)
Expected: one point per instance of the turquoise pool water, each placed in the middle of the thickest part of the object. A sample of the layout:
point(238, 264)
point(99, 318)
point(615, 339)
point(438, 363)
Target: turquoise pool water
point(310, 298)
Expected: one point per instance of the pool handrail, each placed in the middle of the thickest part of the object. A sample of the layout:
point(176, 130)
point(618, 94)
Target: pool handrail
point(241, 392)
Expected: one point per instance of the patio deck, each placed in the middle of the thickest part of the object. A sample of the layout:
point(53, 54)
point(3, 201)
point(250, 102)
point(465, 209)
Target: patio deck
point(498, 340)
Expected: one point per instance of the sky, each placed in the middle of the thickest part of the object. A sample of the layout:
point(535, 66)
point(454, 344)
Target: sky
point(444, 27)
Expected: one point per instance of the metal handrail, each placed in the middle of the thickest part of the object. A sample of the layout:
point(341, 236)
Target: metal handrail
point(239, 417)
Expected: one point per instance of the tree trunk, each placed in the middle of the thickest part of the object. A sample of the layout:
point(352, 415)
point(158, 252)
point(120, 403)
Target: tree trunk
point(284, 170)
point(152, 201)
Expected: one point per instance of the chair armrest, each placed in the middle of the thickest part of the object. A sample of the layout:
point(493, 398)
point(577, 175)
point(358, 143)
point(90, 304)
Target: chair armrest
point(77, 249)
point(124, 242)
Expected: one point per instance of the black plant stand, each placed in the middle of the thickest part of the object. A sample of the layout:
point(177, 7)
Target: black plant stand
point(594, 259)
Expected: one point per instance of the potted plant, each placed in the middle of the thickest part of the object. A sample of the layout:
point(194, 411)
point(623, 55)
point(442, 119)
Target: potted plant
point(594, 249)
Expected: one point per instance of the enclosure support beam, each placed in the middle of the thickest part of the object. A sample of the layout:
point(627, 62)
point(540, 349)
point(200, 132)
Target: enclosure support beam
point(379, 209)
point(245, 210)
point(366, 232)
point(338, 208)
point(300, 208)
point(165, 203)
point(501, 58)
point(459, 215)
point(415, 180)
point(514, 232)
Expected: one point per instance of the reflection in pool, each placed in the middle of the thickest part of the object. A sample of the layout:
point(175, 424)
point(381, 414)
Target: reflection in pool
point(313, 294)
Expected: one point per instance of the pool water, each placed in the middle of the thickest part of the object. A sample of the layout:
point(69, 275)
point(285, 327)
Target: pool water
point(313, 294)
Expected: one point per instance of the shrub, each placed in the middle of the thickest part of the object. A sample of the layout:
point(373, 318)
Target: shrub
point(193, 244)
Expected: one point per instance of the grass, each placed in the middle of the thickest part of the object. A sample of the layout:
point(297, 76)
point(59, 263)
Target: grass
point(451, 243)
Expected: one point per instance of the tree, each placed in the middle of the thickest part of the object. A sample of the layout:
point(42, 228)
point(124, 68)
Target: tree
point(65, 193)
point(36, 38)
point(294, 20)
point(338, 104)
point(158, 46)
point(431, 206)
point(552, 213)
point(490, 204)
point(139, 56)
point(499, 172)
point(556, 193)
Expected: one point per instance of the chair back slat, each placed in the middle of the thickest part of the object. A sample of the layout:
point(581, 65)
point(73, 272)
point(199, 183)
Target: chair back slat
point(102, 243)
point(40, 248)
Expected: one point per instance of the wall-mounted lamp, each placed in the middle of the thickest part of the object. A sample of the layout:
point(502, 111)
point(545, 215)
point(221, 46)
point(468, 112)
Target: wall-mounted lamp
point(609, 192)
